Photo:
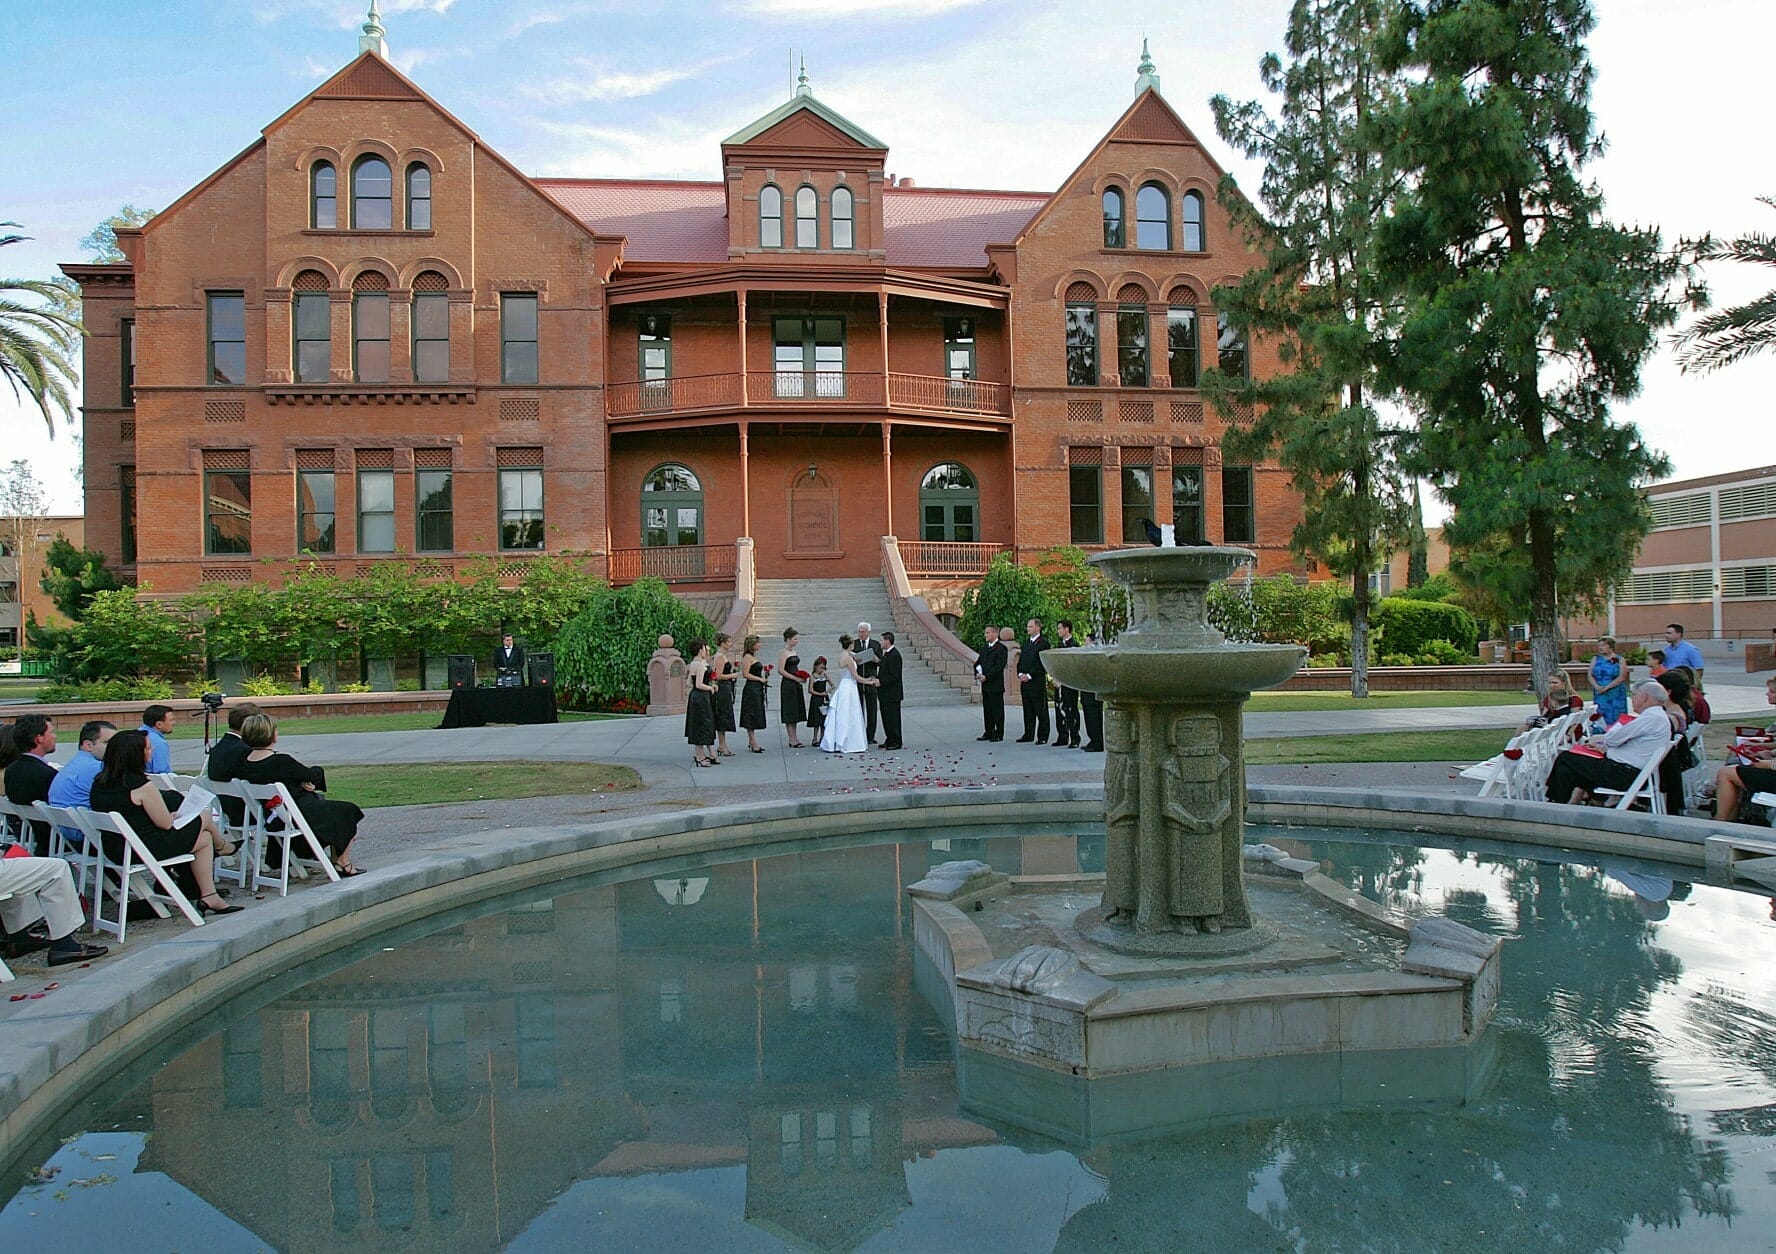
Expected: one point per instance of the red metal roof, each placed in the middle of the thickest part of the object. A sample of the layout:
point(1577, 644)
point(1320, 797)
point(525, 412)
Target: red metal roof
point(687, 222)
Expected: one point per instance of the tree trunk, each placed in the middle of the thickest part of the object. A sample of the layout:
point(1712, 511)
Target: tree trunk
point(1360, 647)
point(1544, 636)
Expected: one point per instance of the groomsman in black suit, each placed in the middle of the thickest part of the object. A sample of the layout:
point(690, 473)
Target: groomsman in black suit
point(891, 692)
point(1033, 685)
point(989, 673)
point(868, 654)
point(1066, 699)
point(1093, 707)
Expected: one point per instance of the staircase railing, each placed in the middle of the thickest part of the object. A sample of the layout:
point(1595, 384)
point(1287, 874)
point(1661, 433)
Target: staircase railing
point(936, 644)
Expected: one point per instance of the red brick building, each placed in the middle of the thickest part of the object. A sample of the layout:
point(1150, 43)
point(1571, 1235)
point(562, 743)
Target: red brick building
point(369, 335)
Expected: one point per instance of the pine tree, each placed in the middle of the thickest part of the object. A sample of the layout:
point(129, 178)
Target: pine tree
point(1317, 296)
point(1528, 312)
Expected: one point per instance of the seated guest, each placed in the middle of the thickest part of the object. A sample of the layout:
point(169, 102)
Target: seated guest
point(1655, 663)
point(335, 822)
point(1627, 748)
point(157, 724)
point(122, 787)
point(1733, 784)
point(1677, 698)
point(227, 754)
point(73, 783)
point(43, 888)
point(1698, 708)
point(29, 772)
point(1556, 703)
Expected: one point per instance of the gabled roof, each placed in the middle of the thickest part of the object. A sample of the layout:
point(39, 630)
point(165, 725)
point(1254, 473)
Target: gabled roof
point(687, 222)
point(806, 102)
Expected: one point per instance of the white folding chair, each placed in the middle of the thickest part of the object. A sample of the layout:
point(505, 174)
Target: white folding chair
point(69, 842)
point(6, 975)
point(1497, 779)
point(259, 799)
point(1698, 776)
point(1644, 788)
point(248, 835)
point(1529, 782)
point(122, 880)
point(16, 820)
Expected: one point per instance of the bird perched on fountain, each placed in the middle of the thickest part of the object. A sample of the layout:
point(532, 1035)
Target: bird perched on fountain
point(1155, 536)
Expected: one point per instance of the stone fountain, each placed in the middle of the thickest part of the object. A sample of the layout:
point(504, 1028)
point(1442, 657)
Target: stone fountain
point(1085, 1020)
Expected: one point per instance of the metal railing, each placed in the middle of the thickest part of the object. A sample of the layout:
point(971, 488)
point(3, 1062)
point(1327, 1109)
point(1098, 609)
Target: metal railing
point(928, 558)
point(776, 388)
point(676, 563)
point(969, 396)
point(677, 395)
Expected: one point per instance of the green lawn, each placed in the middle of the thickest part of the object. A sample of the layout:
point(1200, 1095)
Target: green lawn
point(1278, 701)
point(19, 688)
point(1416, 746)
point(189, 728)
point(429, 783)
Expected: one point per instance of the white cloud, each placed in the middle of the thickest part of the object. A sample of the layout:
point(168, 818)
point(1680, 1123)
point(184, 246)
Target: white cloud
point(667, 149)
point(835, 10)
point(606, 85)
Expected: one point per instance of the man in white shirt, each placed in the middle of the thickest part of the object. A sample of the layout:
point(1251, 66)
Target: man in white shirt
point(1627, 748)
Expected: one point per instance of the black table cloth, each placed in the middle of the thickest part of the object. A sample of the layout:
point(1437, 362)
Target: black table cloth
point(477, 707)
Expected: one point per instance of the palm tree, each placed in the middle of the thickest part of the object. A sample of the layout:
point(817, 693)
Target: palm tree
point(37, 343)
point(1720, 339)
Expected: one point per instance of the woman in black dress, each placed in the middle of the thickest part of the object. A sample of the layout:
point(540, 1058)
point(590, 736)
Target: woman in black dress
point(792, 698)
point(700, 706)
point(335, 822)
point(752, 699)
point(122, 787)
point(725, 674)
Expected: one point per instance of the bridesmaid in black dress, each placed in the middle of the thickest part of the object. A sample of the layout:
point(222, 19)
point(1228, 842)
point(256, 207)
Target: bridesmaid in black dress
point(752, 698)
point(725, 674)
point(700, 706)
point(792, 700)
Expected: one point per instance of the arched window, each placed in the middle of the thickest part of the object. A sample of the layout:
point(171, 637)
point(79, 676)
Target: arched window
point(323, 196)
point(1115, 230)
point(949, 504)
point(1193, 222)
point(312, 327)
point(1181, 338)
point(419, 198)
point(370, 328)
point(807, 206)
point(1082, 336)
point(1153, 217)
point(672, 518)
point(373, 192)
point(431, 328)
point(770, 217)
point(1132, 364)
point(841, 217)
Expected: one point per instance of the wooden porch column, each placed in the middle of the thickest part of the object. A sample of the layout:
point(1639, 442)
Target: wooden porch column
point(740, 296)
point(888, 471)
point(745, 484)
point(882, 320)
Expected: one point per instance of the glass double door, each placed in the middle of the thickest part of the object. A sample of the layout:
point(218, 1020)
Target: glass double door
point(808, 355)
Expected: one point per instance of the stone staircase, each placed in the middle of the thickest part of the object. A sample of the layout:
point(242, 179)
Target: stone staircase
point(822, 610)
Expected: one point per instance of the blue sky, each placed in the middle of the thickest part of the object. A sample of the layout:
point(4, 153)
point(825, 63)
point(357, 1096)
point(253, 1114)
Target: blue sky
point(137, 100)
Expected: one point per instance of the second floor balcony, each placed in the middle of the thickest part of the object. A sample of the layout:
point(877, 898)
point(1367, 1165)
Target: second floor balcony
point(824, 390)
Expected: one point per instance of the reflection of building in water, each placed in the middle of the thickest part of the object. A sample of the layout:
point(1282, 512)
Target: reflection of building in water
point(443, 1093)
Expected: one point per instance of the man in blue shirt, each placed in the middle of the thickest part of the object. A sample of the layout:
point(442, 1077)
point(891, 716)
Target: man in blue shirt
point(73, 783)
point(157, 721)
point(1680, 652)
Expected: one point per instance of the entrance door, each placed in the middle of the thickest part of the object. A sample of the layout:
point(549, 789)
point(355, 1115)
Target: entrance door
point(949, 504)
point(672, 523)
point(809, 357)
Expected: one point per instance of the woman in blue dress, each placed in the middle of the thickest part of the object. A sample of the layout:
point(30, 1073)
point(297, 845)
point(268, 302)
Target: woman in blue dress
point(1609, 681)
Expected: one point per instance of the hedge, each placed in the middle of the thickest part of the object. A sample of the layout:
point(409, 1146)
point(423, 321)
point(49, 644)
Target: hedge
point(1409, 626)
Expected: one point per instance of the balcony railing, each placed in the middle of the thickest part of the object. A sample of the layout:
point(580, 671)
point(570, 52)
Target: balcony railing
point(936, 558)
point(676, 563)
point(862, 389)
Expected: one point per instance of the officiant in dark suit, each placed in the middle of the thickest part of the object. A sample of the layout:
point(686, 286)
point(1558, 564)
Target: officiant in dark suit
point(1033, 685)
point(888, 670)
point(1066, 699)
point(989, 673)
point(508, 662)
point(869, 655)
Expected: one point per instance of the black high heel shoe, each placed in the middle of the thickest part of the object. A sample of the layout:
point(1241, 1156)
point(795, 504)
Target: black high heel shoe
point(204, 907)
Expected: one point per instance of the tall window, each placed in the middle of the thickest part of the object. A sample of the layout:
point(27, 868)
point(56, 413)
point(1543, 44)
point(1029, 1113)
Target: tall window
point(1187, 503)
point(315, 519)
point(1085, 504)
point(809, 357)
point(521, 507)
point(431, 328)
point(842, 234)
point(373, 195)
point(654, 332)
point(959, 359)
point(323, 196)
point(1137, 503)
point(671, 507)
point(1153, 217)
point(518, 337)
point(1230, 348)
point(1239, 523)
point(376, 511)
point(1181, 345)
point(228, 337)
point(312, 327)
point(807, 207)
point(1115, 230)
point(1193, 222)
point(1082, 345)
point(770, 217)
point(434, 523)
point(126, 508)
point(1131, 345)
point(228, 512)
point(371, 361)
point(949, 504)
point(126, 348)
point(419, 197)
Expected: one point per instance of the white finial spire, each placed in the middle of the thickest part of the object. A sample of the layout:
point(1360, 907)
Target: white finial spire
point(1148, 74)
point(372, 39)
point(802, 88)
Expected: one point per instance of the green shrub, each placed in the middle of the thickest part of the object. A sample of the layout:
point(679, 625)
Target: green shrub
point(1323, 661)
point(267, 686)
point(358, 687)
point(107, 690)
point(1439, 587)
point(1408, 627)
point(1009, 596)
point(601, 655)
point(1635, 655)
point(401, 685)
point(120, 636)
point(1442, 653)
point(1279, 610)
point(1398, 659)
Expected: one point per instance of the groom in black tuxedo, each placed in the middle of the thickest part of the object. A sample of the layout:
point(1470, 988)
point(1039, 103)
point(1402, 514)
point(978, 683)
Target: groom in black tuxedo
point(890, 693)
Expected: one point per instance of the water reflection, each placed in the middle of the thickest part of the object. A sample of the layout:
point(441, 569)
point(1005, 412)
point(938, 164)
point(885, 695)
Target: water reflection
point(738, 1058)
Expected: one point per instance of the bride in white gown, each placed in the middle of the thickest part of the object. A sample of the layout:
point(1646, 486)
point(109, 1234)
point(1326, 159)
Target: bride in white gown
point(844, 719)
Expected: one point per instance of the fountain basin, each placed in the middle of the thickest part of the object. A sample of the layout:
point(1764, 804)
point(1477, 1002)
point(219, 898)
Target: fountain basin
point(1225, 670)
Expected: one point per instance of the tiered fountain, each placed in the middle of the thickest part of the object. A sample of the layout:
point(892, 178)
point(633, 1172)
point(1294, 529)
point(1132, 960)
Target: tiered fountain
point(1213, 979)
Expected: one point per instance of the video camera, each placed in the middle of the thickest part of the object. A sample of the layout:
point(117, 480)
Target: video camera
point(212, 701)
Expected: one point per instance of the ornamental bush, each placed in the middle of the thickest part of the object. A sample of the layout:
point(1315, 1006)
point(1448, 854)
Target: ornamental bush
point(1408, 627)
point(1280, 610)
point(1009, 596)
point(601, 654)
